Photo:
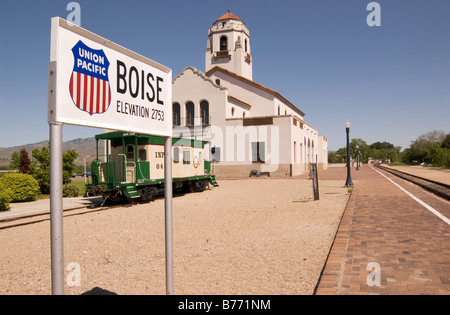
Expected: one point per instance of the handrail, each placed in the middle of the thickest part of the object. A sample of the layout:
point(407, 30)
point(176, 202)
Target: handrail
point(126, 164)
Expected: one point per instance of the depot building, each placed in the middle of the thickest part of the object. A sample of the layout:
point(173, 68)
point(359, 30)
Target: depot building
point(251, 127)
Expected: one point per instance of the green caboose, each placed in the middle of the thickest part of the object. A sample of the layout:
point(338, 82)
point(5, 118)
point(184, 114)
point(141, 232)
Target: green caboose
point(132, 166)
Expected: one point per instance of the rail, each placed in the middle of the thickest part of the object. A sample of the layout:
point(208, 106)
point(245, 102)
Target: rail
point(38, 217)
point(440, 189)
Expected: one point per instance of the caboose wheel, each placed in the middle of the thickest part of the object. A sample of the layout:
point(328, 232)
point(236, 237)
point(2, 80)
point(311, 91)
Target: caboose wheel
point(148, 194)
point(198, 186)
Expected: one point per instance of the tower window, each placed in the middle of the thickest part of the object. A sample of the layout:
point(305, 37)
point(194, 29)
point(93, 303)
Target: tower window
point(204, 108)
point(246, 45)
point(190, 114)
point(223, 43)
point(176, 115)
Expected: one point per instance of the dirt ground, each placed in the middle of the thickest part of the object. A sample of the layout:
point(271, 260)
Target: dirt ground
point(251, 236)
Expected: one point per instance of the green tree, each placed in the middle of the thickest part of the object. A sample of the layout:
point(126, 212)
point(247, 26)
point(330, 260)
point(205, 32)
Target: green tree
point(440, 156)
point(382, 146)
point(384, 151)
point(332, 157)
point(15, 161)
point(446, 142)
point(362, 147)
point(40, 168)
point(429, 148)
point(342, 155)
point(20, 161)
point(69, 158)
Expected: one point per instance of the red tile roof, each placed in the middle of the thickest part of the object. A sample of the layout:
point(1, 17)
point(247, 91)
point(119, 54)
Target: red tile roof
point(257, 85)
point(229, 16)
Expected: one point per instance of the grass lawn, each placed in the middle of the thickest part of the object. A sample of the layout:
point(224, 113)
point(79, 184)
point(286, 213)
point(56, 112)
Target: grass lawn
point(79, 183)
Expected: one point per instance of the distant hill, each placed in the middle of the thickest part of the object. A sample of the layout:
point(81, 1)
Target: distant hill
point(83, 147)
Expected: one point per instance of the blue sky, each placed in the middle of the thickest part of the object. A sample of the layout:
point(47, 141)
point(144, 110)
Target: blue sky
point(391, 82)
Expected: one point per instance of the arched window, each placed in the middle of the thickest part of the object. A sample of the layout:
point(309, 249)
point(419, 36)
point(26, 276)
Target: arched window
point(190, 114)
point(295, 152)
point(176, 114)
point(246, 45)
point(232, 112)
point(204, 109)
point(223, 43)
point(301, 152)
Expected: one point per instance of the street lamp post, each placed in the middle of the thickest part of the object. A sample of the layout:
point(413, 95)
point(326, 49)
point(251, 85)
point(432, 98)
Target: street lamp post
point(357, 157)
point(349, 182)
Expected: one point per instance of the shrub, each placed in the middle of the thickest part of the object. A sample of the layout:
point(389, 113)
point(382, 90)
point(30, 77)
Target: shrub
point(70, 190)
point(440, 156)
point(5, 197)
point(24, 187)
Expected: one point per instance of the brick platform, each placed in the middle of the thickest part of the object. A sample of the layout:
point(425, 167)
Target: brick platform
point(409, 245)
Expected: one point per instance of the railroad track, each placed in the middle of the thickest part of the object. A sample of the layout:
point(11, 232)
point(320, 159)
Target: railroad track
point(33, 218)
point(437, 188)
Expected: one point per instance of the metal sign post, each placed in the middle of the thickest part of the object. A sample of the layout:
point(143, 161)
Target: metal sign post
point(94, 82)
point(168, 213)
point(56, 187)
point(56, 209)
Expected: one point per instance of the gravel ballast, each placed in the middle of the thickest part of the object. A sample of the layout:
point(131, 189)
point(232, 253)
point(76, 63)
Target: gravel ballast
point(249, 236)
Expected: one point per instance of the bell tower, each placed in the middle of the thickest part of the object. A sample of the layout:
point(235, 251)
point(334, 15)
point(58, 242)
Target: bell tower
point(228, 46)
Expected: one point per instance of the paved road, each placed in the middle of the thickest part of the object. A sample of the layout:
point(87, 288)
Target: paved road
point(387, 242)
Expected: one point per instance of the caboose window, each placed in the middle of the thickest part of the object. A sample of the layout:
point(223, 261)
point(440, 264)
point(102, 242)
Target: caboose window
point(130, 153)
point(142, 155)
point(176, 155)
point(186, 157)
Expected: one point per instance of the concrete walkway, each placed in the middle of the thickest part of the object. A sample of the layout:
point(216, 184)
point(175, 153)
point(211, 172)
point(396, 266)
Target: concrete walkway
point(387, 242)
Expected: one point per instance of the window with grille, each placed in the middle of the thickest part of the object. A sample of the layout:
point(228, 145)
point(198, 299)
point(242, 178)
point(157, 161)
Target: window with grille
point(258, 152)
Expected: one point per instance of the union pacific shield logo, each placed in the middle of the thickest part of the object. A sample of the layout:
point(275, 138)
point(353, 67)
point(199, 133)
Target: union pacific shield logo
point(89, 84)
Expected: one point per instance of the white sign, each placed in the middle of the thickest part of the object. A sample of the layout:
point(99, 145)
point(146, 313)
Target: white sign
point(96, 83)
